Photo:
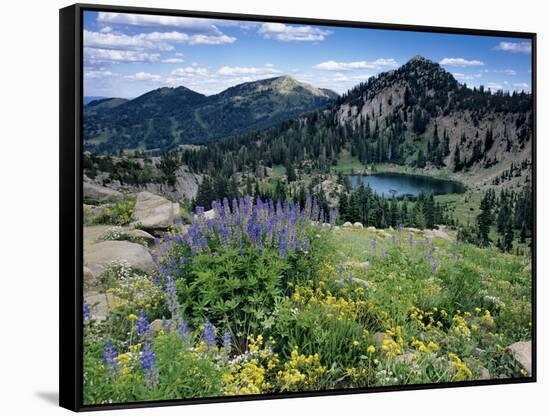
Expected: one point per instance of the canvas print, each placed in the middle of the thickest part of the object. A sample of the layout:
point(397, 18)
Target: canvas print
point(271, 208)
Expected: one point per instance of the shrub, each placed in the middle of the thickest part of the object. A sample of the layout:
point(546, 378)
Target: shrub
point(119, 214)
point(114, 375)
point(232, 268)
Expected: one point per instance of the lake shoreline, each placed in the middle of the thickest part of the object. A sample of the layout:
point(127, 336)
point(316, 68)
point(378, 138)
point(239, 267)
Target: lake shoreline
point(402, 185)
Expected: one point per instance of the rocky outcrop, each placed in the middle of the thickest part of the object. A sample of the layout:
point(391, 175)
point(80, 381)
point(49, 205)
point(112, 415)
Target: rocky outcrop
point(100, 304)
point(99, 194)
point(186, 186)
point(522, 353)
point(153, 211)
point(364, 265)
point(331, 190)
point(88, 278)
point(140, 235)
point(98, 256)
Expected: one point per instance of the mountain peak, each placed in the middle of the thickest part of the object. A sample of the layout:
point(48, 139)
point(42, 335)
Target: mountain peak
point(282, 85)
point(286, 84)
point(419, 58)
point(419, 61)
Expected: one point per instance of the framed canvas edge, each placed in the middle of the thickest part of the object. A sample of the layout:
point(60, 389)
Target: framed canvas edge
point(70, 199)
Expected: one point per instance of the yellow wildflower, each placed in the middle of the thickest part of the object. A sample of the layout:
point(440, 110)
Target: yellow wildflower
point(433, 346)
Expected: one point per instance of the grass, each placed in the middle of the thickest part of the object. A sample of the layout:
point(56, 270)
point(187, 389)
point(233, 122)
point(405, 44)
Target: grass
point(465, 207)
point(278, 172)
point(347, 163)
point(409, 170)
point(401, 275)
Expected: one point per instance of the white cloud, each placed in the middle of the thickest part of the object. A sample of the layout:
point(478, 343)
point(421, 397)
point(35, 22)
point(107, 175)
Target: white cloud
point(510, 72)
point(211, 39)
point(143, 76)
point(106, 29)
point(461, 62)
point(514, 47)
point(153, 40)
point(521, 86)
point(462, 77)
point(140, 41)
point(280, 31)
point(240, 70)
point(94, 56)
point(173, 60)
point(97, 73)
point(189, 24)
point(347, 66)
point(189, 70)
point(191, 30)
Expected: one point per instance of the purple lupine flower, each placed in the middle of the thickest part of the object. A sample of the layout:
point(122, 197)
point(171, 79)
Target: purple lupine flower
point(209, 334)
point(283, 242)
point(226, 341)
point(260, 223)
point(384, 253)
point(254, 231)
point(426, 242)
point(399, 229)
point(393, 238)
point(172, 302)
point(430, 255)
point(350, 277)
point(341, 283)
point(410, 240)
point(109, 356)
point(149, 365)
point(183, 330)
point(142, 325)
point(294, 242)
point(373, 242)
point(434, 266)
point(86, 312)
point(341, 270)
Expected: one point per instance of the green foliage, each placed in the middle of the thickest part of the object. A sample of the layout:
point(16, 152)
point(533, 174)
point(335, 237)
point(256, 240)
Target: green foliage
point(183, 373)
point(317, 331)
point(233, 290)
point(119, 213)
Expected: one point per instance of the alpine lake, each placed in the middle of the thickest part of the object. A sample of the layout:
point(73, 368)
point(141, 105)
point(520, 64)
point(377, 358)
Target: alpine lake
point(403, 185)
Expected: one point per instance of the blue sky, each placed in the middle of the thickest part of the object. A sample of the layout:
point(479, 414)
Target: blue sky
point(126, 55)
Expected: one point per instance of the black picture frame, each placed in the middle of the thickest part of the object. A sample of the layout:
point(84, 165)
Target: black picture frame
point(71, 215)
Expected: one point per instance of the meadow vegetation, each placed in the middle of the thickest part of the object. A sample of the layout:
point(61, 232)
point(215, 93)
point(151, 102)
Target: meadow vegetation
point(265, 298)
